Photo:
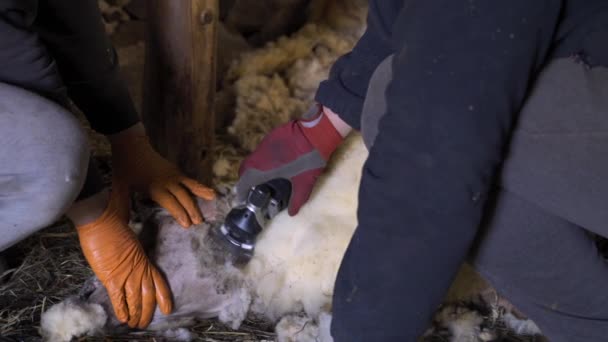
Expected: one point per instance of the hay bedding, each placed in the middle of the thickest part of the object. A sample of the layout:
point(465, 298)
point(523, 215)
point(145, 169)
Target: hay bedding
point(50, 268)
point(268, 86)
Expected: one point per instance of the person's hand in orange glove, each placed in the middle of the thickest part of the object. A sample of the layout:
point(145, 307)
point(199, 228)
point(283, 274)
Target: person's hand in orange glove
point(137, 164)
point(112, 250)
point(117, 258)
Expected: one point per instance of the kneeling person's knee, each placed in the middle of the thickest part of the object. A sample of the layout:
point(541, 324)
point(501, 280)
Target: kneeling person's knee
point(44, 159)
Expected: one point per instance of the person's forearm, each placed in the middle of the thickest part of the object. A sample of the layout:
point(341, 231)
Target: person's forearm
point(25, 60)
point(137, 129)
point(74, 34)
point(89, 209)
point(344, 90)
point(342, 127)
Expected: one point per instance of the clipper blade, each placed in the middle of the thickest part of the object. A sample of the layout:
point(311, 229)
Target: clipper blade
point(225, 248)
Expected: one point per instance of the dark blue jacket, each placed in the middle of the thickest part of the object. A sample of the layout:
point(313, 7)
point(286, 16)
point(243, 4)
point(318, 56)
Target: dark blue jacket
point(461, 72)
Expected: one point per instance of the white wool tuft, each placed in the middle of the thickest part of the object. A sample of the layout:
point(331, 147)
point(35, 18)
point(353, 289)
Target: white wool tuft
point(463, 323)
point(487, 335)
point(302, 328)
point(236, 310)
point(523, 327)
point(180, 334)
point(325, 327)
point(296, 328)
point(221, 168)
point(297, 258)
point(465, 327)
point(136, 227)
point(70, 319)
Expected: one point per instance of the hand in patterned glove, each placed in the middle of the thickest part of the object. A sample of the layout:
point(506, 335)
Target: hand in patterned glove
point(297, 151)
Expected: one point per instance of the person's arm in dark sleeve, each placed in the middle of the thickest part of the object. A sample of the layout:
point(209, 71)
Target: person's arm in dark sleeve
point(24, 60)
point(74, 33)
point(344, 90)
point(460, 76)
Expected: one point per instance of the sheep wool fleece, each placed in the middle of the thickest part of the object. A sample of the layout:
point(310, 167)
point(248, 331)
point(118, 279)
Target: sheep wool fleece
point(480, 94)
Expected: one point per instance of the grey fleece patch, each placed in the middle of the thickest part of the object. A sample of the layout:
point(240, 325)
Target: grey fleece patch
point(374, 106)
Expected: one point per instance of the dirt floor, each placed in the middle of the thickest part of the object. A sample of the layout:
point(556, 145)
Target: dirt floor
point(49, 265)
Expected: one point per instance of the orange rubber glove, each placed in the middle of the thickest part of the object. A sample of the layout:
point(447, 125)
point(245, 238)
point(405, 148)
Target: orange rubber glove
point(114, 253)
point(136, 163)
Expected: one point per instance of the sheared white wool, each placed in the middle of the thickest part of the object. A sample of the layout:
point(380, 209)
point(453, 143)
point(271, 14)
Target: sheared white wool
point(301, 328)
point(70, 319)
point(297, 258)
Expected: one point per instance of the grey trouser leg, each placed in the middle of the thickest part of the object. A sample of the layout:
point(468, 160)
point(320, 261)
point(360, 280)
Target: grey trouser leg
point(43, 163)
point(535, 245)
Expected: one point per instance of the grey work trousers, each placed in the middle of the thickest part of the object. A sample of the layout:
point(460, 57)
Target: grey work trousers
point(535, 245)
point(44, 156)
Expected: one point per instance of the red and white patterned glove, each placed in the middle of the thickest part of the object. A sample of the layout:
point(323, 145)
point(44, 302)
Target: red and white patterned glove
point(297, 151)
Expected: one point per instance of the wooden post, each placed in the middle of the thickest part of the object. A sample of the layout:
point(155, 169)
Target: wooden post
point(179, 82)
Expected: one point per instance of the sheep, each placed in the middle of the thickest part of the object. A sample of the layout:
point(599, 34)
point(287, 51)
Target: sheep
point(289, 280)
point(199, 271)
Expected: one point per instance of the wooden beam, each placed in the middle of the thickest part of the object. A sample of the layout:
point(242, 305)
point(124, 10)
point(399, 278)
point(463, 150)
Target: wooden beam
point(179, 82)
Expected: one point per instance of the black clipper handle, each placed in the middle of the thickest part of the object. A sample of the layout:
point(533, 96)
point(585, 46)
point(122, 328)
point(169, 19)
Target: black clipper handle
point(280, 192)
